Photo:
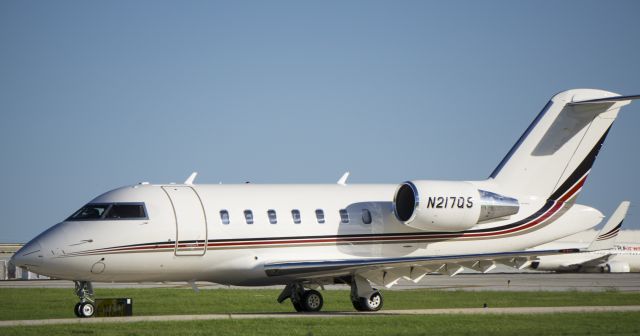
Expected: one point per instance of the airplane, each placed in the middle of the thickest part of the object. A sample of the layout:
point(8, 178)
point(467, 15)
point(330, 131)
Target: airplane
point(305, 236)
point(601, 256)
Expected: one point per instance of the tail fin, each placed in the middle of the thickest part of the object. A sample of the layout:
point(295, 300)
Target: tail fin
point(556, 152)
point(607, 236)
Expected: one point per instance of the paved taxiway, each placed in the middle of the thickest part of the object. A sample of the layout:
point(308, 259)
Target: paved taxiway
point(512, 310)
point(470, 281)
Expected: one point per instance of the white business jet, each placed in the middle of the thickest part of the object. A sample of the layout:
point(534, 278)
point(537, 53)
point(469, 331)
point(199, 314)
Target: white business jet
point(305, 236)
point(601, 256)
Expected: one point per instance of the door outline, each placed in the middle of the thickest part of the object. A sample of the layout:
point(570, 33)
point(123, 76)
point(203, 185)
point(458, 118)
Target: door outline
point(198, 246)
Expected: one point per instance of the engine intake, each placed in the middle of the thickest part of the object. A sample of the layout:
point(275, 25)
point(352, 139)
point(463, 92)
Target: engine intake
point(449, 205)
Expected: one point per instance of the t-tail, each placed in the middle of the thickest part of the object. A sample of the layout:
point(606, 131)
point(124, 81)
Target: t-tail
point(555, 154)
point(606, 238)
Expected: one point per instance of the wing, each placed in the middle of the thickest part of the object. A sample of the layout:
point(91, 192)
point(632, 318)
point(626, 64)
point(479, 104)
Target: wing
point(387, 271)
point(595, 261)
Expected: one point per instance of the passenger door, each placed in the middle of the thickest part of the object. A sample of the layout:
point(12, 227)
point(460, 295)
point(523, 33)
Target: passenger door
point(191, 222)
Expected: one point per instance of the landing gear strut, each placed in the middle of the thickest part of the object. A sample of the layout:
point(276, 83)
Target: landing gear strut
point(303, 300)
point(363, 296)
point(86, 306)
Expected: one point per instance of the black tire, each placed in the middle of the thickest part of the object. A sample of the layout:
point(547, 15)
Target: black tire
point(87, 309)
point(356, 304)
point(76, 309)
point(297, 306)
point(312, 301)
point(372, 303)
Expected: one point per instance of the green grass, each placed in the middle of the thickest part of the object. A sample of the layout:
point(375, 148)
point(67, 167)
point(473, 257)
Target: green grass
point(40, 303)
point(549, 324)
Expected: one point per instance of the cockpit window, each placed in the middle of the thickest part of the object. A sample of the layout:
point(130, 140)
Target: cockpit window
point(110, 211)
point(90, 211)
point(126, 211)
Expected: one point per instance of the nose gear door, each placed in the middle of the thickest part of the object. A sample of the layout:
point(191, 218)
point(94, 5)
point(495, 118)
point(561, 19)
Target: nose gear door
point(191, 222)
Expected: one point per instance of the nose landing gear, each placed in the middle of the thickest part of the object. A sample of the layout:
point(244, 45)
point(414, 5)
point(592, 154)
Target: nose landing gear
point(86, 307)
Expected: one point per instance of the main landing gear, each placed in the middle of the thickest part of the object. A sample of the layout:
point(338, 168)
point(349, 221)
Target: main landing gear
point(303, 300)
point(86, 307)
point(363, 297)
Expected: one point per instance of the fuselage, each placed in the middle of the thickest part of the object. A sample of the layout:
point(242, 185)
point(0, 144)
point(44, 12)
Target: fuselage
point(619, 259)
point(226, 233)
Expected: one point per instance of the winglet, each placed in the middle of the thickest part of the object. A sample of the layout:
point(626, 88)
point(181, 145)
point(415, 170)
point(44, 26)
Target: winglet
point(607, 236)
point(191, 178)
point(343, 179)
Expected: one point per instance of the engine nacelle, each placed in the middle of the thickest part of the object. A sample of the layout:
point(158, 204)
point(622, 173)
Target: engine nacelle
point(449, 205)
point(616, 267)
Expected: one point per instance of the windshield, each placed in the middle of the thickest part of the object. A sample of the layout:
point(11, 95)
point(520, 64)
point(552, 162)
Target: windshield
point(126, 211)
point(90, 211)
point(110, 211)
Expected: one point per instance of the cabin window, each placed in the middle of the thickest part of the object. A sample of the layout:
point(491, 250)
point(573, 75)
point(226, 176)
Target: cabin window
point(366, 216)
point(295, 214)
point(224, 216)
point(126, 211)
point(273, 219)
point(248, 216)
point(344, 216)
point(320, 216)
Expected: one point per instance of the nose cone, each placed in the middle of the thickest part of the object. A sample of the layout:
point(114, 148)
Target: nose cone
point(29, 256)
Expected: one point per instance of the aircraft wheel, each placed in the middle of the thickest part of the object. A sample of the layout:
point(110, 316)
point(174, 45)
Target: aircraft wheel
point(87, 309)
point(356, 305)
point(372, 303)
point(76, 309)
point(311, 301)
point(297, 306)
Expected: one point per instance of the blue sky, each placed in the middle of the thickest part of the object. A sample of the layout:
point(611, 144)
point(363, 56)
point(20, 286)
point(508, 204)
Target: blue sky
point(96, 95)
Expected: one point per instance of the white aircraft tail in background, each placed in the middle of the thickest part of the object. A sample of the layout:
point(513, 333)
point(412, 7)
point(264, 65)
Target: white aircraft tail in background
point(601, 256)
point(606, 239)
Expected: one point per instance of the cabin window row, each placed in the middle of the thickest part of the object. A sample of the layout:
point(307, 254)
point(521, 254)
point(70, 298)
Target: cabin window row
point(296, 217)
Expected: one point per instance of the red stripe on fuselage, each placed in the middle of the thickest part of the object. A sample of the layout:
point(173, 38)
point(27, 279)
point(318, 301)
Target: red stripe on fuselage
point(549, 213)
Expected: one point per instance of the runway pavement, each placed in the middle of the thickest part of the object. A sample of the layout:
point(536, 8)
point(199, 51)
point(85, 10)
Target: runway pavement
point(470, 281)
point(474, 311)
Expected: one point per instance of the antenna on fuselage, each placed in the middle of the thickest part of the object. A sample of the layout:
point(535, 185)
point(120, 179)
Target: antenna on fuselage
point(191, 178)
point(343, 179)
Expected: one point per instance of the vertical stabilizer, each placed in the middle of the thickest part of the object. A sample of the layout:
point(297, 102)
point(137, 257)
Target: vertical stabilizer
point(606, 238)
point(556, 152)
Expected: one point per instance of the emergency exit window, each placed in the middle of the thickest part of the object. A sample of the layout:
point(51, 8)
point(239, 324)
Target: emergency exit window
point(366, 216)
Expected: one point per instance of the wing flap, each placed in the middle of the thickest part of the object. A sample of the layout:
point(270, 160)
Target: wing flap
point(446, 263)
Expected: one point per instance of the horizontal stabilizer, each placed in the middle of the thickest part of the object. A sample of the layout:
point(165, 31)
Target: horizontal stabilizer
point(606, 100)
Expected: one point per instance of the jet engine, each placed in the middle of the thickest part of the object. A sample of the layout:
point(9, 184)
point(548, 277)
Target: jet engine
point(449, 205)
point(616, 267)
